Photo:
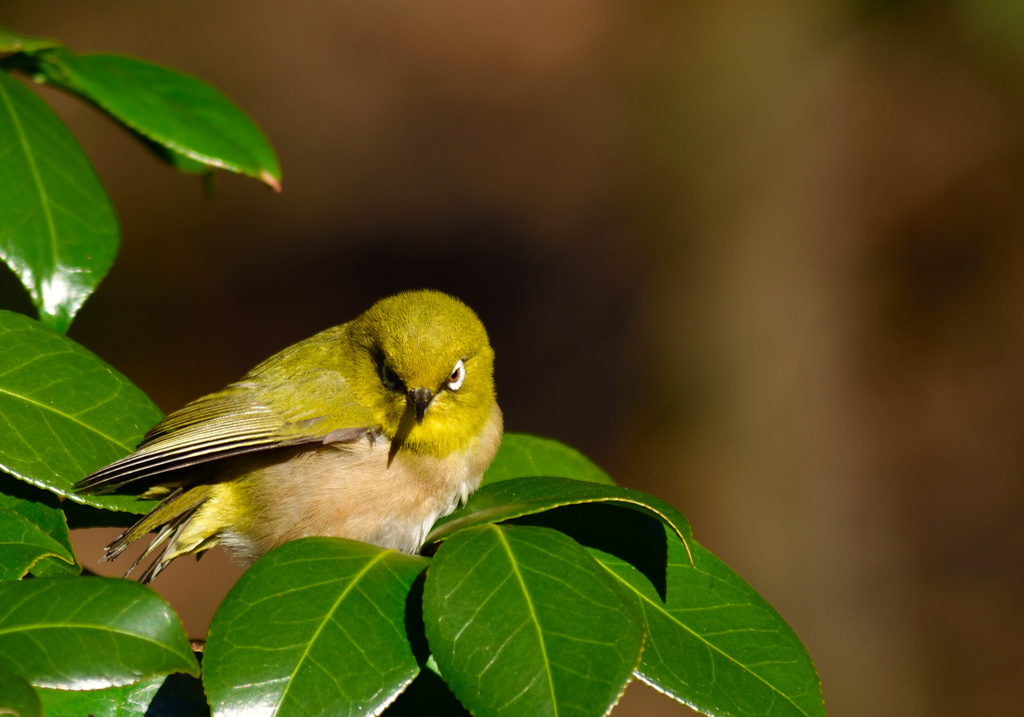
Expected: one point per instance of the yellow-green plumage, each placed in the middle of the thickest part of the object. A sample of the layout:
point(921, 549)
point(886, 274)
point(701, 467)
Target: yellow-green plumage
point(361, 431)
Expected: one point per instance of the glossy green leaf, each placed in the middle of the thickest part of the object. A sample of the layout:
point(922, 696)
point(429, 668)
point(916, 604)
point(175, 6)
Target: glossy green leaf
point(316, 626)
point(177, 160)
point(525, 456)
point(178, 111)
point(17, 697)
point(53, 567)
point(525, 496)
point(171, 696)
point(64, 413)
point(183, 163)
point(22, 545)
point(87, 633)
point(522, 621)
point(58, 230)
point(11, 41)
point(715, 644)
point(42, 509)
point(125, 701)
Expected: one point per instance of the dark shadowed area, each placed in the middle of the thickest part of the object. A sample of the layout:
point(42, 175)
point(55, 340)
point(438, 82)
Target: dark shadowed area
point(763, 260)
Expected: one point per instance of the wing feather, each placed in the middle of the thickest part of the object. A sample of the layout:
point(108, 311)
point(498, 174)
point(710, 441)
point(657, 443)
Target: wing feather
point(238, 420)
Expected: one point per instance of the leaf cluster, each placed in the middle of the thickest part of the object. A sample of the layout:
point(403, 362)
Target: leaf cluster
point(547, 593)
point(58, 230)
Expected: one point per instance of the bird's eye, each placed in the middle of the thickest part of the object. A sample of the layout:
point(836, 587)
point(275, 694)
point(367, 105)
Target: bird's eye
point(458, 375)
point(387, 375)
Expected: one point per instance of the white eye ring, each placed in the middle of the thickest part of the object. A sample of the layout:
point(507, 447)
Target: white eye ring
point(457, 376)
point(386, 375)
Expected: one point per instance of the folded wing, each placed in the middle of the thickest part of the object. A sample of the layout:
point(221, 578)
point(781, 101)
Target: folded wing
point(232, 422)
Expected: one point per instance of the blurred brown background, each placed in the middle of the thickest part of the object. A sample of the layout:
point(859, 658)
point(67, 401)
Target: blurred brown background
point(762, 259)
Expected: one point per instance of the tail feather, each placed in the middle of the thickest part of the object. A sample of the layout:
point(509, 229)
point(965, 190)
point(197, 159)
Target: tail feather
point(165, 532)
point(151, 521)
point(166, 556)
point(169, 518)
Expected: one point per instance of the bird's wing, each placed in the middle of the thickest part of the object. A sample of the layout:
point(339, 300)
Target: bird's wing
point(242, 418)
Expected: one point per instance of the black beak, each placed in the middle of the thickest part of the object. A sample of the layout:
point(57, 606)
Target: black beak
point(422, 398)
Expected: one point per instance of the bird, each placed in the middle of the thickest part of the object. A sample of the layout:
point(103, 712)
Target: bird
point(370, 430)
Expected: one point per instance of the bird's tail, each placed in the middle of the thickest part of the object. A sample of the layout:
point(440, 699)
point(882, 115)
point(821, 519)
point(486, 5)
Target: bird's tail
point(170, 518)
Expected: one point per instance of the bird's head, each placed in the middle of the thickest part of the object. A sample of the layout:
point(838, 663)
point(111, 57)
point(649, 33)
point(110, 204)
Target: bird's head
point(424, 366)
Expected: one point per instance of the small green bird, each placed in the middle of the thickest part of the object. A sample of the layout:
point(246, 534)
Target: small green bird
point(371, 430)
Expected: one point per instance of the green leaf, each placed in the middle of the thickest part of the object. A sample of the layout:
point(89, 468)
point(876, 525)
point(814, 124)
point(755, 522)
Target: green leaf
point(177, 160)
point(52, 566)
point(58, 231)
point(522, 621)
point(42, 509)
point(86, 633)
point(22, 545)
point(713, 643)
point(178, 111)
point(171, 696)
point(11, 41)
point(17, 696)
point(182, 162)
point(126, 701)
point(525, 456)
point(316, 626)
point(65, 413)
point(526, 496)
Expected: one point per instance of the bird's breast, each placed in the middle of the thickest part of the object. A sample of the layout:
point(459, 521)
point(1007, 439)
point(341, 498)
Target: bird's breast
point(360, 491)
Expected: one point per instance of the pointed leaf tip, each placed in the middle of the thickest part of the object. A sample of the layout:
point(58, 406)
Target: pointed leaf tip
point(269, 180)
point(183, 114)
point(11, 41)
